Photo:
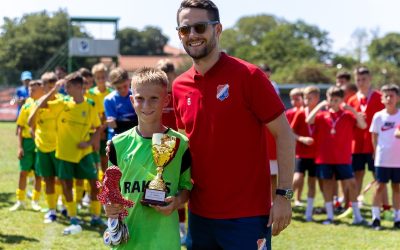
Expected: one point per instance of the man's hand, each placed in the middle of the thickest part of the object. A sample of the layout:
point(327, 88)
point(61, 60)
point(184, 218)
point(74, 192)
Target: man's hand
point(113, 210)
point(20, 153)
point(280, 215)
point(173, 204)
point(84, 144)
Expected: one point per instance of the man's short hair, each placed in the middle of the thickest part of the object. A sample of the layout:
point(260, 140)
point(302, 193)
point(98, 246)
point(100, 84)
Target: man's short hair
point(362, 71)
point(335, 91)
point(118, 75)
point(209, 6)
point(343, 75)
point(48, 77)
point(391, 87)
point(85, 72)
point(312, 89)
point(146, 75)
point(166, 65)
point(74, 78)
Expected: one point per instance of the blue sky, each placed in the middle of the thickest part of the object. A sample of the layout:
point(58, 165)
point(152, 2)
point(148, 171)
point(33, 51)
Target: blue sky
point(340, 17)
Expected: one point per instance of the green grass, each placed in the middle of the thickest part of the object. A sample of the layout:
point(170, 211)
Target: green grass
point(25, 229)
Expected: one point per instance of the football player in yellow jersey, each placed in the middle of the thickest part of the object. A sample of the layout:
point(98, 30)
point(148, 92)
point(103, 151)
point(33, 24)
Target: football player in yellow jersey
point(76, 119)
point(26, 151)
point(44, 122)
point(98, 93)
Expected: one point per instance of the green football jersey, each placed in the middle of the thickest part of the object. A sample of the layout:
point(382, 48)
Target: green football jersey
point(148, 228)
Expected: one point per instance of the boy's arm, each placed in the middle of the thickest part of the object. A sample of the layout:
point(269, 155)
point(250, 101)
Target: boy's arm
point(111, 113)
point(360, 118)
point(42, 102)
point(20, 148)
point(374, 137)
point(92, 139)
point(310, 119)
point(397, 132)
point(174, 202)
point(304, 139)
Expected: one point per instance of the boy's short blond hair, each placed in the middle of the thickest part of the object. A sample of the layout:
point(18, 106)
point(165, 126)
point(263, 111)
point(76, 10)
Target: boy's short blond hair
point(48, 77)
point(296, 91)
point(311, 90)
point(146, 75)
point(100, 67)
point(118, 75)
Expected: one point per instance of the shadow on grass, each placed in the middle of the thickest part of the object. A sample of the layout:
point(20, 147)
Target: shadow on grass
point(15, 239)
point(5, 200)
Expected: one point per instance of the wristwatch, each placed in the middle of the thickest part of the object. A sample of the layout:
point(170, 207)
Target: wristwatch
point(287, 193)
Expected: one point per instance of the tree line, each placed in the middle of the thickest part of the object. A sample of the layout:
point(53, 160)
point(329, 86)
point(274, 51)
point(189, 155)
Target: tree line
point(297, 52)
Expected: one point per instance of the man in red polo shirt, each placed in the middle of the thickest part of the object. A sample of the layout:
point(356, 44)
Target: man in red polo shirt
point(223, 103)
point(368, 102)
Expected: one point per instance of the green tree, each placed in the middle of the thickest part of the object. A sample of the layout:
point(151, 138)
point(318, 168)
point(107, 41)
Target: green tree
point(150, 41)
point(386, 49)
point(27, 43)
point(247, 32)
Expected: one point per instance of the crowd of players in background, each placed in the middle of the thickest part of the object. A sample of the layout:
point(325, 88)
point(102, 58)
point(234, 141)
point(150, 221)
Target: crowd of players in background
point(356, 126)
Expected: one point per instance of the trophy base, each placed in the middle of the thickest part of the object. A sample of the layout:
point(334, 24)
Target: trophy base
point(154, 197)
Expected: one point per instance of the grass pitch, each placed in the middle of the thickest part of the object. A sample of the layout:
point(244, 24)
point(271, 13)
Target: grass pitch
point(25, 229)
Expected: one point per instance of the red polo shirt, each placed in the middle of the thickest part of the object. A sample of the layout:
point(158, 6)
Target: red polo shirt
point(334, 148)
point(290, 113)
point(301, 128)
point(224, 114)
point(362, 142)
point(168, 116)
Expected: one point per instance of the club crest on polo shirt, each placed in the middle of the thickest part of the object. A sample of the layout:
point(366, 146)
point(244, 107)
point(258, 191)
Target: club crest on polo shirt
point(222, 92)
point(83, 113)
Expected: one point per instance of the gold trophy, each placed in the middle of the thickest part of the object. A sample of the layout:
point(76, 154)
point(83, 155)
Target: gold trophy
point(163, 148)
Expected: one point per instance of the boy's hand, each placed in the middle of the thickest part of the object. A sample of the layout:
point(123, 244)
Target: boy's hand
point(59, 84)
point(397, 133)
point(173, 204)
point(306, 140)
point(20, 153)
point(84, 144)
point(113, 210)
point(111, 123)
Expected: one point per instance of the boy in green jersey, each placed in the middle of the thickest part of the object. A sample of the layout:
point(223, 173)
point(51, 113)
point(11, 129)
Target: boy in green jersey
point(26, 151)
point(150, 227)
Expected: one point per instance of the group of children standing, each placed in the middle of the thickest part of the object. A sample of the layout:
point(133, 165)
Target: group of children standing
point(338, 137)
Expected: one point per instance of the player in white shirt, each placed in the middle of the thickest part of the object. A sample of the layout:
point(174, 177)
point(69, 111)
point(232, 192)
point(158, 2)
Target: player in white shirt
point(387, 153)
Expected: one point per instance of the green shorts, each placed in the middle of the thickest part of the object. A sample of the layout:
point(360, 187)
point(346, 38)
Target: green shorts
point(27, 163)
point(103, 145)
point(85, 169)
point(46, 163)
point(96, 157)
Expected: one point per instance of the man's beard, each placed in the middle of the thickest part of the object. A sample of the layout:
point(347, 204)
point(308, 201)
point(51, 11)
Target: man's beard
point(209, 46)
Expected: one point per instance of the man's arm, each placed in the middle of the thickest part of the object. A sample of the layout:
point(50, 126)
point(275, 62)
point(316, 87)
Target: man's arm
point(281, 212)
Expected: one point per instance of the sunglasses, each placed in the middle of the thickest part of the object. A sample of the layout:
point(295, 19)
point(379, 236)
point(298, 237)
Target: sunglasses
point(199, 28)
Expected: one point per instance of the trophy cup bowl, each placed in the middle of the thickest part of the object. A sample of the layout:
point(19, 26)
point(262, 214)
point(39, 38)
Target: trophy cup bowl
point(163, 150)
